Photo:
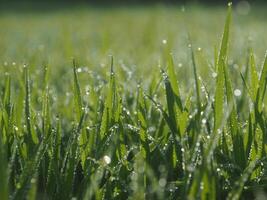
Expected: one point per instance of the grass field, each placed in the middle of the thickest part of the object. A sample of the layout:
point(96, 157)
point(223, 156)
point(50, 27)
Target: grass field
point(133, 103)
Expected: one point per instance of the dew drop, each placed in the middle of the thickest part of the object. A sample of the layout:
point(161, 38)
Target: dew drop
point(162, 182)
point(214, 74)
point(237, 92)
point(33, 180)
point(107, 159)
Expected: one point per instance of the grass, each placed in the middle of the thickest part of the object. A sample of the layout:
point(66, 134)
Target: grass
point(163, 118)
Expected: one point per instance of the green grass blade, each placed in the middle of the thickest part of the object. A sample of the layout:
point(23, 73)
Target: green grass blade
point(3, 170)
point(262, 85)
point(254, 80)
point(28, 116)
point(219, 93)
point(46, 119)
point(237, 138)
point(77, 93)
point(197, 85)
point(110, 104)
point(235, 193)
point(174, 82)
point(30, 170)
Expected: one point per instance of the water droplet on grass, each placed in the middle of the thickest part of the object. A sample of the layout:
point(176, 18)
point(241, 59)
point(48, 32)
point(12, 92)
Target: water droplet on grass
point(33, 180)
point(16, 128)
point(107, 160)
point(214, 74)
point(204, 121)
point(201, 185)
point(164, 41)
point(162, 182)
point(237, 92)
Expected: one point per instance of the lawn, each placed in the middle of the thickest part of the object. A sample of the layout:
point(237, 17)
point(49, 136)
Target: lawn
point(137, 102)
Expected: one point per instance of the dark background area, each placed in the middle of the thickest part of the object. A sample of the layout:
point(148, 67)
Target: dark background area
point(124, 1)
point(50, 5)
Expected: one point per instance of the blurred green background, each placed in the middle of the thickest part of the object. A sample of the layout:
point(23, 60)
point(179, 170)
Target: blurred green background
point(139, 37)
point(133, 34)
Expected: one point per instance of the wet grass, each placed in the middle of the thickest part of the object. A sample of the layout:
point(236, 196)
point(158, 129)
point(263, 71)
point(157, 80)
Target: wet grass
point(143, 103)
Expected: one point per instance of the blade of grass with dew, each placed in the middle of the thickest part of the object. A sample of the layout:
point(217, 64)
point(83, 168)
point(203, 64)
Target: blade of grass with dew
point(176, 147)
point(141, 114)
point(218, 112)
point(262, 85)
point(5, 118)
point(30, 130)
point(180, 112)
point(33, 189)
point(53, 168)
point(195, 76)
point(173, 120)
point(30, 169)
point(258, 108)
point(235, 193)
point(71, 159)
point(77, 93)
point(219, 93)
point(171, 105)
point(254, 80)
point(108, 107)
point(79, 108)
point(3, 170)
point(46, 119)
point(209, 185)
point(250, 138)
point(242, 100)
point(142, 122)
point(183, 120)
point(237, 138)
point(174, 83)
